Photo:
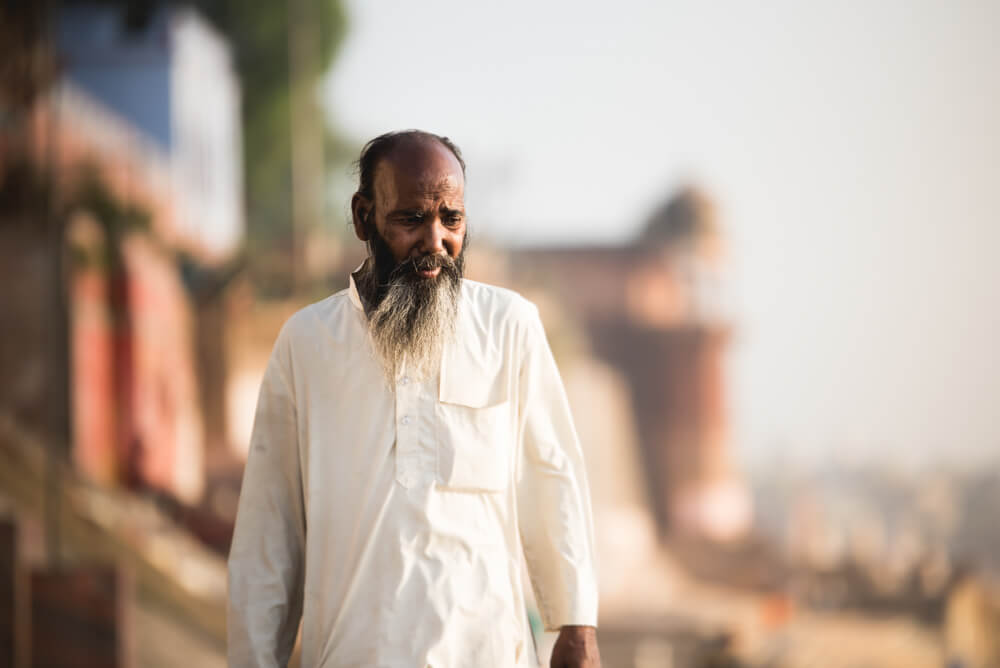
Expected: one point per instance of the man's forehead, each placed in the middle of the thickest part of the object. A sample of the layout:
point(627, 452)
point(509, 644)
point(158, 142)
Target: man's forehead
point(419, 168)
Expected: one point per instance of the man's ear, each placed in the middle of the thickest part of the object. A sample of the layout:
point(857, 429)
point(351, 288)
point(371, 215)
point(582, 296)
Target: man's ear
point(361, 210)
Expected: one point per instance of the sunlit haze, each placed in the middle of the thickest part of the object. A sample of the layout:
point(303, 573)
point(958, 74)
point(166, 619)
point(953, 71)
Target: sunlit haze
point(853, 148)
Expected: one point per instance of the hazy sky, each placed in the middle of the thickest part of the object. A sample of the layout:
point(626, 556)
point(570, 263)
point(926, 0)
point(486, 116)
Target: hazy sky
point(853, 147)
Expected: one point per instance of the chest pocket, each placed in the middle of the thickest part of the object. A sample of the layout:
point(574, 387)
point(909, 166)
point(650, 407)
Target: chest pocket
point(475, 424)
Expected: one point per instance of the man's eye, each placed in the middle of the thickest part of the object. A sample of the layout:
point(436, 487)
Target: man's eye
point(453, 219)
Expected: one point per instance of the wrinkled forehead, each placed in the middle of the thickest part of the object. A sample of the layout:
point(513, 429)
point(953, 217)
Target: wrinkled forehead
point(419, 170)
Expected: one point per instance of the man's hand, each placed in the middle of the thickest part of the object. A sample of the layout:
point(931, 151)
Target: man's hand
point(576, 647)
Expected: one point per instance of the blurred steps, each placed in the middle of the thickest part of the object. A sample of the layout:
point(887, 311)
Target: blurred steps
point(128, 587)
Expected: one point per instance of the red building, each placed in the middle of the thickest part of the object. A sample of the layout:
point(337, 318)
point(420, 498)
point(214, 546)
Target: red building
point(104, 226)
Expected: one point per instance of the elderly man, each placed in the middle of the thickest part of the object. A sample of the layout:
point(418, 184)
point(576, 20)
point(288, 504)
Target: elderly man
point(412, 439)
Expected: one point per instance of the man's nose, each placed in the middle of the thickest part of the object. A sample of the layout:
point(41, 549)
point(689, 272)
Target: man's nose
point(433, 241)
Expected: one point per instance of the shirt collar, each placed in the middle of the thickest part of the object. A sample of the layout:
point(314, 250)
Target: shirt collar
point(352, 290)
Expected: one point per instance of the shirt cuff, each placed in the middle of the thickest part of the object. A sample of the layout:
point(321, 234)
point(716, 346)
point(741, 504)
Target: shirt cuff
point(581, 610)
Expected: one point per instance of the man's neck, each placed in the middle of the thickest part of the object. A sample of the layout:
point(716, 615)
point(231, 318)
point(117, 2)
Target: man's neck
point(366, 282)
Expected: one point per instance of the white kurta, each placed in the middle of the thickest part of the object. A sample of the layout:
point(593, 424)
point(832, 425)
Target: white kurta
point(391, 520)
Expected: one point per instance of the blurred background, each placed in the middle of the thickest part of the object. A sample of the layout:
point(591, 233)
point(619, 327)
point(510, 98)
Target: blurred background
point(762, 240)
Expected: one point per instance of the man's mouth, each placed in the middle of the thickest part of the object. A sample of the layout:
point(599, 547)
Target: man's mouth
point(428, 273)
point(429, 266)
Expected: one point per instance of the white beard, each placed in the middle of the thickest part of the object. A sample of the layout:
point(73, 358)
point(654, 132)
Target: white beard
point(412, 323)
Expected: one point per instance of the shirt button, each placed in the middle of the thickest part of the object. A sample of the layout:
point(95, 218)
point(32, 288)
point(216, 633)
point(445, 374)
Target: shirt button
point(405, 420)
point(405, 380)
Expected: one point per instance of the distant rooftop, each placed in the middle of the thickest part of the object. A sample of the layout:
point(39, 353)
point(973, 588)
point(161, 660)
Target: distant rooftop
point(687, 215)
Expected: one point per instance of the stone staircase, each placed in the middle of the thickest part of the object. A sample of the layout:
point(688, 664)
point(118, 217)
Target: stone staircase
point(93, 577)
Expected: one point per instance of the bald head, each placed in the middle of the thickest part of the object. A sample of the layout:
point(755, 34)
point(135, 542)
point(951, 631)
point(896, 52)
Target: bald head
point(379, 148)
point(421, 165)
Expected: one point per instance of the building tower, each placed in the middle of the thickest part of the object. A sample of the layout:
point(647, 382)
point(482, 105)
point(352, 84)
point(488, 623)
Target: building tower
point(656, 309)
point(677, 328)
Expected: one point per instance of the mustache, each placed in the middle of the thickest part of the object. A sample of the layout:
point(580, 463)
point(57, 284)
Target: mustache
point(407, 270)
point(424, 263)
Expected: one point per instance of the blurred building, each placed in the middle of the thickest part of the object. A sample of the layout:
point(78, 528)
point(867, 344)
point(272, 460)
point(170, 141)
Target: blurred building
point(171, 78)
point(655, 310)
point(124, 244)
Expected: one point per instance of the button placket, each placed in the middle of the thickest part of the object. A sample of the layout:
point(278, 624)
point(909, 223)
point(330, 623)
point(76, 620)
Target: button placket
point(407, 463)
point(426, 446)
point(416, 437)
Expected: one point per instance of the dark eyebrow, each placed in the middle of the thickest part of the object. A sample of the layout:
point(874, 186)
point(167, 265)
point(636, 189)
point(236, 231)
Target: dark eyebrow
point(450, 211)
point(406, 213)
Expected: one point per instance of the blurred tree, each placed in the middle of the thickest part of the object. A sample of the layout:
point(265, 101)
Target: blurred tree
point(280, 118)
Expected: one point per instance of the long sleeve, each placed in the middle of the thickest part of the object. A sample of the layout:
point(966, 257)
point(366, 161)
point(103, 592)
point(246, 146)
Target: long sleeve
point(267, 552)
point(553, 500)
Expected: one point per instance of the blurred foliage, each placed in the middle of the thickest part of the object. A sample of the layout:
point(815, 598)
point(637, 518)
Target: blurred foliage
point(28, 199)
point(259, 35)
point(116, 218)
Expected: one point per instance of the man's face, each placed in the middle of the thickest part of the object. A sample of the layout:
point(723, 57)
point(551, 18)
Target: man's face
point(419, 207)
point(415, 230)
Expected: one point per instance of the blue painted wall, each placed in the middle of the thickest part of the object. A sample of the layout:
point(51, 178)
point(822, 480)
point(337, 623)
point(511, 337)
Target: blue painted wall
point(127, 71)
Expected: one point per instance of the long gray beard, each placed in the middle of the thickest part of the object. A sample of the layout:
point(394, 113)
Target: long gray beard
point(412, 318)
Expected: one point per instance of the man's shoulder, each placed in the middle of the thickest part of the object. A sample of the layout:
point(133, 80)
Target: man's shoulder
point(325, 311)
point(498, 302)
